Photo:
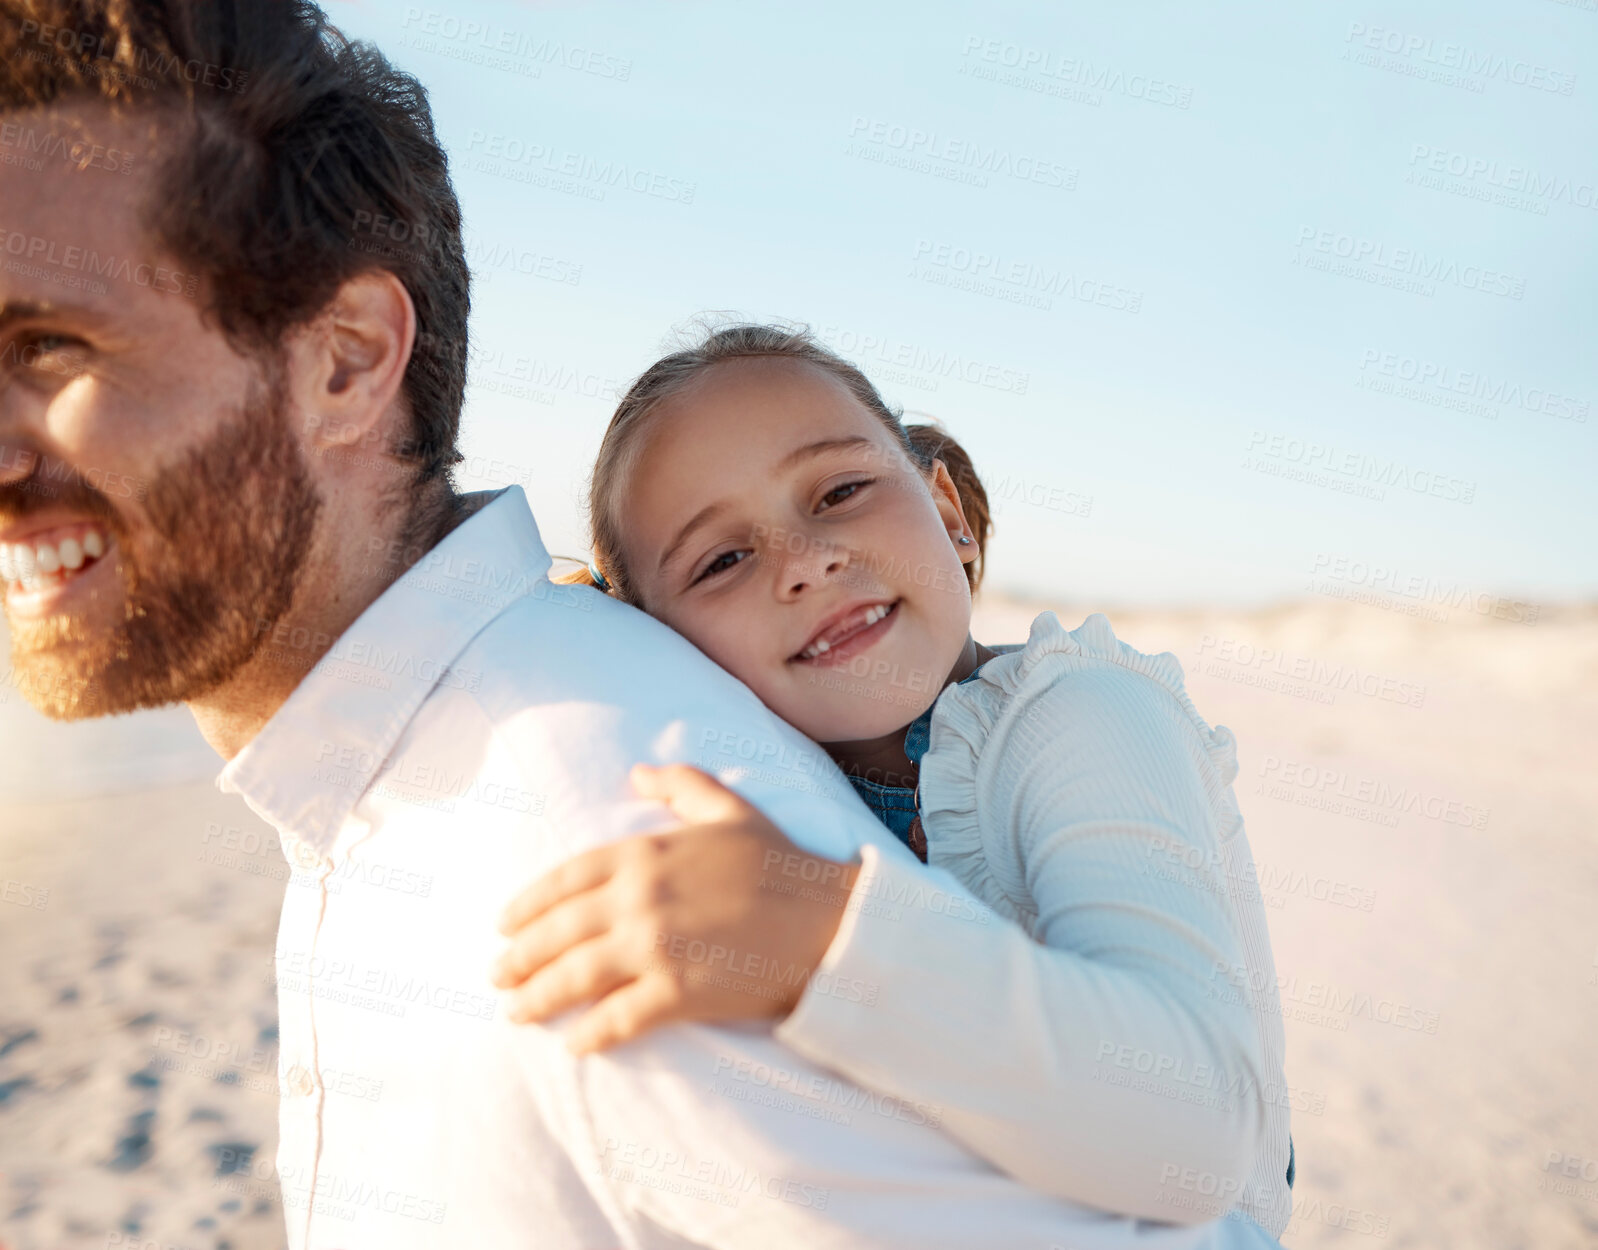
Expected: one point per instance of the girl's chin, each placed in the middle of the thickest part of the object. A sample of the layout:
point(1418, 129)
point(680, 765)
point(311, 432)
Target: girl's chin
point(862, 715)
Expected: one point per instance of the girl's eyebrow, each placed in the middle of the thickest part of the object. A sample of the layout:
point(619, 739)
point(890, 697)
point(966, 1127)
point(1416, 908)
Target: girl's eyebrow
point(707, 513)
point(811, 450)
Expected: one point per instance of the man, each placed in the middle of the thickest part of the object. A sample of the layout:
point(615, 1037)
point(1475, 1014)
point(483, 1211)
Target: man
point(227, 420)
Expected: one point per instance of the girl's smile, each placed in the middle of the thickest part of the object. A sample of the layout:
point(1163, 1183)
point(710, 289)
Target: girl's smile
point(847, 633)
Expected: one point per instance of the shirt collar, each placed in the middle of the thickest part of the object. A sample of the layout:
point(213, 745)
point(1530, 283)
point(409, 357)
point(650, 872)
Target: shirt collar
point(308, 767)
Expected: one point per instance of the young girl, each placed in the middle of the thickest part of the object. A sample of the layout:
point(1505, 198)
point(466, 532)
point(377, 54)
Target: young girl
point(1115, 1038)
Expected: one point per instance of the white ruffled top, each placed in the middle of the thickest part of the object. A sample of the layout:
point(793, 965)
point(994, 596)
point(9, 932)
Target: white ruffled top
point(987, 855)
point(1119, 1041)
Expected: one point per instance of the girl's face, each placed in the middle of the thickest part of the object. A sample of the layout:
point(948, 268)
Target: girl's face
point(772, 520)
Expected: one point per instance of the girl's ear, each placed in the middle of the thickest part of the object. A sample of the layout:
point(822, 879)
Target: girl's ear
point(947, 498)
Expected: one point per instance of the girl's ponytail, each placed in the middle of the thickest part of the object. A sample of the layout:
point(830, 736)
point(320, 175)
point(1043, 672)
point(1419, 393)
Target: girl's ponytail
point(582, 575)
point(932, 442)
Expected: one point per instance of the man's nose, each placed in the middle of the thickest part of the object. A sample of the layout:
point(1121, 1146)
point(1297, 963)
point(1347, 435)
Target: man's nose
point(16, 460)
point(19, 453)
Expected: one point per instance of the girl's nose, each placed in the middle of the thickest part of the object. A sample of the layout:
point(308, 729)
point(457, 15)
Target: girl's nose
point(809, 568)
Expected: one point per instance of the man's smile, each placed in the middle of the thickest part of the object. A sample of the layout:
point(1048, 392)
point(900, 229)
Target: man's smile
point(40, 566)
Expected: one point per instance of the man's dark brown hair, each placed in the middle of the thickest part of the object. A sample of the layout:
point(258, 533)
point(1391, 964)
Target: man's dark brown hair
point(308, 159)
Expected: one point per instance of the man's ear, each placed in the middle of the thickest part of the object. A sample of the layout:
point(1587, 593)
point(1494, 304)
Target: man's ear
point(347, 366)
point(946, 495)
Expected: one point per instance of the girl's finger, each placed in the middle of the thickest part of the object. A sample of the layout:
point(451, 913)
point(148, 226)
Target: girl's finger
point(696, 797)
point(578, 874)
point(550, 934)
point(629, 1012)
point(587, 971)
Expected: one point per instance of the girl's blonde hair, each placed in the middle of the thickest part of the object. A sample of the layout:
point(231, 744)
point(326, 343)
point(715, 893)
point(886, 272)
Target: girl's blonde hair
point(671, 374)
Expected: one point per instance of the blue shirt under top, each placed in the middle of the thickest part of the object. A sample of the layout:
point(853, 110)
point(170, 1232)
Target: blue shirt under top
point(895, 806)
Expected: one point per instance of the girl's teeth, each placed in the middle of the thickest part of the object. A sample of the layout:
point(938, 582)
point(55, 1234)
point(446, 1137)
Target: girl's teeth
point(71, 554)
point(93, 545)
point(49, 561)
point(871, 617)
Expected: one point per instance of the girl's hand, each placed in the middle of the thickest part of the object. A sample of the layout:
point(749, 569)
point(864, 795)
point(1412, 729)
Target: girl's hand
point(725, 919)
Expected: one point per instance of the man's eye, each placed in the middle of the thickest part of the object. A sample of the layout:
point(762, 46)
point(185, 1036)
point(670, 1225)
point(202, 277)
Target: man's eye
point(720, 564)
point(54, 353)
point(48, 344)
point(838, 494)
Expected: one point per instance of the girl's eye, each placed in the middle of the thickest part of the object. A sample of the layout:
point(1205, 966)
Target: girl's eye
point(720, 564)
point(838, 494)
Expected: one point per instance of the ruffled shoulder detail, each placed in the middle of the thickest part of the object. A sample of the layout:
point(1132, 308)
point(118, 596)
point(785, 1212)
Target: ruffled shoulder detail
point(963, 720)
point(1094, 637)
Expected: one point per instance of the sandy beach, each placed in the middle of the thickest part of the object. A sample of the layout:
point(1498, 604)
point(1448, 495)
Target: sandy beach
point(1419, 794)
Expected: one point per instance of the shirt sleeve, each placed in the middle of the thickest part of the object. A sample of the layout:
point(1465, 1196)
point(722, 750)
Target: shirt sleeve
point(1112, 1061)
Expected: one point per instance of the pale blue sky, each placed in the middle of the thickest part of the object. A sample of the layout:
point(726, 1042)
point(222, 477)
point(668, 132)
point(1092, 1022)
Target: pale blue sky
point(1302, 127)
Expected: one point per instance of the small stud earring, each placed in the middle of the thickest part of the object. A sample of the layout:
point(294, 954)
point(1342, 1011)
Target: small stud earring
point(965, 540)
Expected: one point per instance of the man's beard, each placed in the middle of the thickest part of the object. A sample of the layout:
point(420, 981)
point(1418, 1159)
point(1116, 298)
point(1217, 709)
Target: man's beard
point(214, 564)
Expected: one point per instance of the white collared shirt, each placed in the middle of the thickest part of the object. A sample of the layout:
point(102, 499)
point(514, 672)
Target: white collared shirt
point(470, 731)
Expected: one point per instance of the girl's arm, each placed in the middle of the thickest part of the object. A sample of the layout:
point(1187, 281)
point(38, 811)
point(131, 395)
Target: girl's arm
point(1117, 1066)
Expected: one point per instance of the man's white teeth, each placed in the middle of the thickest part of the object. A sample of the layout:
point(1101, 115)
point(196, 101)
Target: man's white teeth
point(34, 564)
point(16, 562)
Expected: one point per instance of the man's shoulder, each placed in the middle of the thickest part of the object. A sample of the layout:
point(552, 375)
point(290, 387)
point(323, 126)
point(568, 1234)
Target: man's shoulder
point(571, 641)
point(576, 687)
point(567, 672)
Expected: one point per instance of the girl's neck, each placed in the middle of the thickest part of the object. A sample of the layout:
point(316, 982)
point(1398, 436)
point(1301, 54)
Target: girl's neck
point(883, 760)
